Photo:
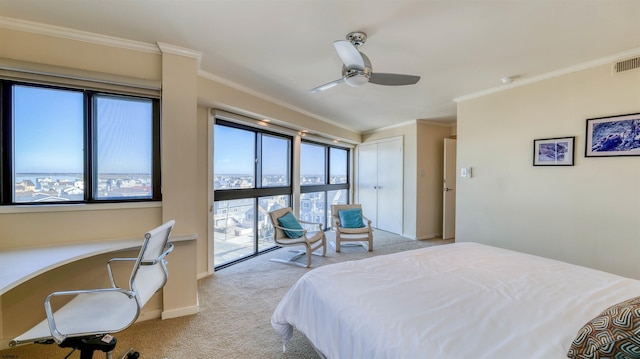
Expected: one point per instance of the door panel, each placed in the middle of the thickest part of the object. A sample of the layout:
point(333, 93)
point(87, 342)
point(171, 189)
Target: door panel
point(368, 181)
point(390, 185)
point(449, 188)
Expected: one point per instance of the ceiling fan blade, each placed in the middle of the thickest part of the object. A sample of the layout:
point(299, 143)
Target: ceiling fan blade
point(350, 56)
point(326, 86)
point(393, 79)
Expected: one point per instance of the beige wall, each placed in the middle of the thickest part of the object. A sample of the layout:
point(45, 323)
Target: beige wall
point(588, 214)
point(186, 99)
point(216, 95)
point(44, 226)
point(34, 227)
point(430, 169)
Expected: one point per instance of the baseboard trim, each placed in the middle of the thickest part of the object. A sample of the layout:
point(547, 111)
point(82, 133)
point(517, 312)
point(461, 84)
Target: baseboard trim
point(428, 236)
point(180, 312)
point(149, 314)
point(4, 343)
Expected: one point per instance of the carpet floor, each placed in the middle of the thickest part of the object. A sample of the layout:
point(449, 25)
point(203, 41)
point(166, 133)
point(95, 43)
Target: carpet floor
point(236, 304)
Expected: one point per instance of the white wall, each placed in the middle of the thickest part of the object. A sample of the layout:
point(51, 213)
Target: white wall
point(588, 214)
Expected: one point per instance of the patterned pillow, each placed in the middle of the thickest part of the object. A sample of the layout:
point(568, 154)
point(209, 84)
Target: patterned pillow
point(614, 333)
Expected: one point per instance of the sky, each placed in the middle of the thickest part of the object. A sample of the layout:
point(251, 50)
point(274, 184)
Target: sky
point(48, 132)
point(234, 153)
point(48, 138)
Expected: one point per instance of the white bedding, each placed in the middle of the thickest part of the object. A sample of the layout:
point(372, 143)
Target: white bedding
point(462, 300)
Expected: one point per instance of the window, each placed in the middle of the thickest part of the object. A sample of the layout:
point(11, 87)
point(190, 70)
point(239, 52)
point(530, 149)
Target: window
point(124, 144)
point(64, 145)
point(252, 176)
point(323, 180)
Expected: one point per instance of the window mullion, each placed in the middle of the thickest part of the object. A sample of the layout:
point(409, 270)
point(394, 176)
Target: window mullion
point(89, 146)
point(258, 160)
point(6, 146)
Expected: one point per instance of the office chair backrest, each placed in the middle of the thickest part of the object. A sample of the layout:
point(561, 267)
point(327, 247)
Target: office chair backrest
point(150, 271)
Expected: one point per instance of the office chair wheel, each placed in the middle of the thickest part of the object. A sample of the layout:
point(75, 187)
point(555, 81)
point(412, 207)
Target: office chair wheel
point(130, 354)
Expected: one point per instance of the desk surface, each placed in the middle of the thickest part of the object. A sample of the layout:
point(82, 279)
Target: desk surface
point(19, 265)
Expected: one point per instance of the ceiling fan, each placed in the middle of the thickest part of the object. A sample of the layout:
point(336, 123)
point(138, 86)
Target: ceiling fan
point(357, 70)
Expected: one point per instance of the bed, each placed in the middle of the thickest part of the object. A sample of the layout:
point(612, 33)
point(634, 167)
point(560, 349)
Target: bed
point(462, 300)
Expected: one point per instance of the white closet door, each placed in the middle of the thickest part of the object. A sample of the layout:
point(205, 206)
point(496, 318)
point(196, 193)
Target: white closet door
point(368, 181)
point(390, 185)
point(380, 183)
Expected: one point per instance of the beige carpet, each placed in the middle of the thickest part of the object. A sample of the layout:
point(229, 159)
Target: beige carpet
point(235, 311)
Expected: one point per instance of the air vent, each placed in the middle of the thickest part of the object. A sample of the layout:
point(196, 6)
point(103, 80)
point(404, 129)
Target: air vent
point(626, 65)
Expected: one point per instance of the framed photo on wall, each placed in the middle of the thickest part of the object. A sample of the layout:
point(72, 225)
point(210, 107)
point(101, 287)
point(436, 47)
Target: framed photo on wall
point(613, 136)
point(553, 151)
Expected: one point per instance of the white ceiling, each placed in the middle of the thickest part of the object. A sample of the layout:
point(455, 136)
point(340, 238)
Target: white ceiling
point(283, 48)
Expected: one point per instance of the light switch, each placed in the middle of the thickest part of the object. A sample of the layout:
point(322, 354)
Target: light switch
point(465, 172)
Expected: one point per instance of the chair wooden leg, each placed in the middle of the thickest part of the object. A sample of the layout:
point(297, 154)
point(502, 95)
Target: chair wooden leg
point(324, 246)
point(370, 242)
point(309, 257)
point(337, 242)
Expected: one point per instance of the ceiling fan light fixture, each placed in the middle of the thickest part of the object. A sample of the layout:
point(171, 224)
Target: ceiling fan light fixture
point(355, 81)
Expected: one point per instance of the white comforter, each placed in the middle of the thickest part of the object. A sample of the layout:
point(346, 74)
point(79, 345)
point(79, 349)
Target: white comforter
point(463, 300)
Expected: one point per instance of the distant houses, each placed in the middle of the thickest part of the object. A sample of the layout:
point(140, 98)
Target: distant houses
point(68, 187)
point(236, 217)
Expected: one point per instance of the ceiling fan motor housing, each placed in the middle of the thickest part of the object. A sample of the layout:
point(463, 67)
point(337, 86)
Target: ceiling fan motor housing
point(357, 76)
point(357, 38)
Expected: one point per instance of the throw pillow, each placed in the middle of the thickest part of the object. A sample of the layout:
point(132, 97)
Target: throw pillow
point(351, 218)
point(289, 221)
point(614, 333)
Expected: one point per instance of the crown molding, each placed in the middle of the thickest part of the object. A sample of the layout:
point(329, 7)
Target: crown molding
point(180, 51)
point(63, 32)
point(550, 75)
point(223, 81)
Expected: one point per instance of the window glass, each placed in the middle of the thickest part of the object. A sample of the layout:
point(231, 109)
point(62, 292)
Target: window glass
point(338, 165)
point(276, 156)
point(312, 164)
point(124, 128)
point(48, 145)
point(233, 229)
point(234, 158)
point(312, 208)
point(265, 228)
point(336, 197)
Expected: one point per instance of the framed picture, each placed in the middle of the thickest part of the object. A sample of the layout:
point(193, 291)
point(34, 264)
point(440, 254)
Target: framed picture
point(553, 151)
point(613, 136)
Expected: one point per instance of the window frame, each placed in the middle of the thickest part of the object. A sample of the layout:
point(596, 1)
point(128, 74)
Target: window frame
point(258, 191)
point(327, 163)
point(327, 186)
point(90, 161)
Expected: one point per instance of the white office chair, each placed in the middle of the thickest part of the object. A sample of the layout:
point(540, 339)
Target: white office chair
point(86, 322)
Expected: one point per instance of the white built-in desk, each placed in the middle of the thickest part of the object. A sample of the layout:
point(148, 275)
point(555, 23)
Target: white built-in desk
point(18, 266)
